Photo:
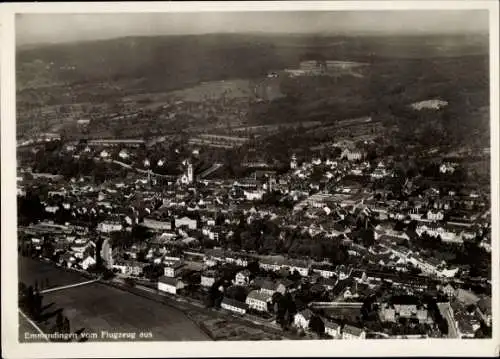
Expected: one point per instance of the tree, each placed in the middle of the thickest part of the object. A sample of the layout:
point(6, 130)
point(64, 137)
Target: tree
point(236, 292)
point(317, 325)
point(367, 237)
point(66, 326)
point(59, 322)
point(129, 282)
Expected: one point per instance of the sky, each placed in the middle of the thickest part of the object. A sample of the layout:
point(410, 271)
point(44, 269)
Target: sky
point(56, 28)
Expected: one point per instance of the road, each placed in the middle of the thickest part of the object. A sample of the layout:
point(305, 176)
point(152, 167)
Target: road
point(446, 312)
point(346, 305)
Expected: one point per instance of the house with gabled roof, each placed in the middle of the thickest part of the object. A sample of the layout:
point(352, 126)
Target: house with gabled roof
point(234, 305)
point(258, 300)
point(265, 285)
point(209, 277)
point(332, 329)
point(352, 332)
point(449, 290)
point(170, 285)
point(242, 277)
point(325, 270)
point(302, 318)
point(173, 269)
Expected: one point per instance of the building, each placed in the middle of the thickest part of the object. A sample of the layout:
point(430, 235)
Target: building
point(272, 264)
point(449, 290)
point(332, 329)
point(293, 162)
point(265, 286)
point(130, 267)
point(157, 225)
point(380, 171)
point(170, 285)
point(234, 305)
point(392, 313)
point(285, 285)
point(87, 262)
point(435, 216)
point(188, 176)
point(213, 257)
point(324, 270)
point(352, 332)
point(104, 154)
point(447, 167)
point(123, 154)
point(354, 155)
point(258, 300)
point(173, 270)
point(186, 221)
point(208, 278)
point(301, 267)
point(236, 259)
point(114, 142)
point(253, 195)
point(109, 226)
point(446, 234)
point(242, 278)
point(429, 266)
point(302, 319)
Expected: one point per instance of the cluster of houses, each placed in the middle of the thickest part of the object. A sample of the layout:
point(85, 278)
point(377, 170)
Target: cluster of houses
point(303, 318)
point(468, 310)
point(183, 213)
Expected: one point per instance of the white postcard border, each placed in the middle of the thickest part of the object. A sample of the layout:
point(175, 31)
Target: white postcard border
point(13, 349)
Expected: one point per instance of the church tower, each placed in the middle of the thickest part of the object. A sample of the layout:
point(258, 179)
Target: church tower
point(190, 174)
point(293, 162)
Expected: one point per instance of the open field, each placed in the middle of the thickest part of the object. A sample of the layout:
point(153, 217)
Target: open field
point(97, 307)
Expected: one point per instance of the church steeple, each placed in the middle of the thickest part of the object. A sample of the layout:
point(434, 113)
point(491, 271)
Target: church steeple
point(293, 162)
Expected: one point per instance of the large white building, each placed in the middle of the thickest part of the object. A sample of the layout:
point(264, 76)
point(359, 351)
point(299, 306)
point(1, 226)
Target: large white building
point(173, 270)
point(170, 285)
point(446, 235)
point(186, 221)
point(258, 300)
point(157, 225)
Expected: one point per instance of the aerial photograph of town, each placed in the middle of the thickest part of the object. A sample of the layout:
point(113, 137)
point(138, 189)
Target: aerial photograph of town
point(253, 176)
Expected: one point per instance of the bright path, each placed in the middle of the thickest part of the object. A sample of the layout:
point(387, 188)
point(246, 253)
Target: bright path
point(69, 286)
point(446, 312)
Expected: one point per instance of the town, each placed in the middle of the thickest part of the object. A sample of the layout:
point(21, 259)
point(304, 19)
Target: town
point(342, 245)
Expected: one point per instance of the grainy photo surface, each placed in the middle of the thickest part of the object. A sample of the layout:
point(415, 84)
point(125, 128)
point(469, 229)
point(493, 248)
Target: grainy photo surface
point(253, 176)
